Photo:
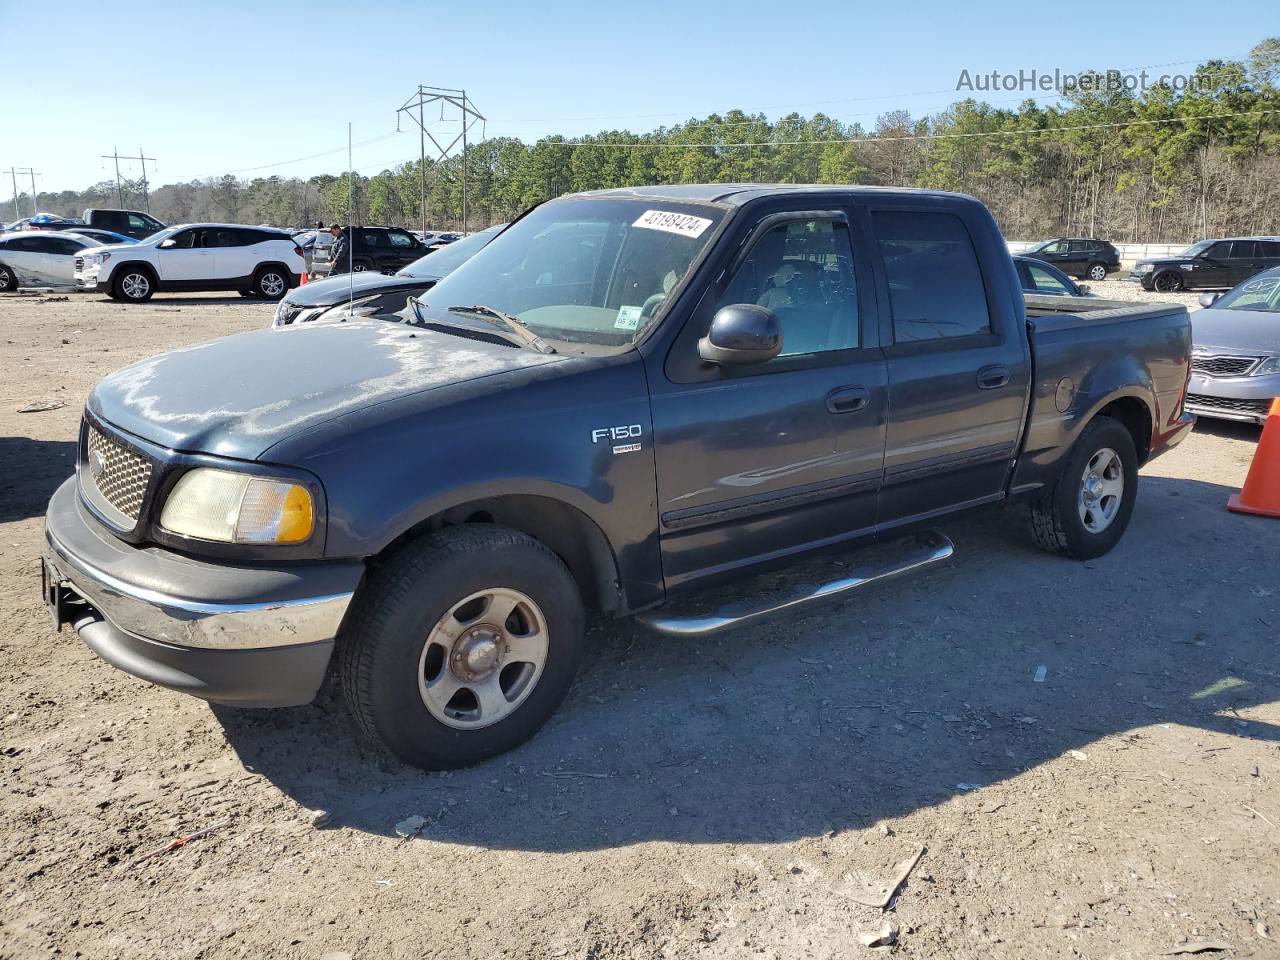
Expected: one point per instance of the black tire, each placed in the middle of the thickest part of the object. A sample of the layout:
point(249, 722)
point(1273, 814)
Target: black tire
point(381, 645)
point(8, 279)
point(360, 266)
point(1096, 272)
point(249, 294)
point(1169, 281)
point(1056, 522)
point(133, 285)
point(271, 283)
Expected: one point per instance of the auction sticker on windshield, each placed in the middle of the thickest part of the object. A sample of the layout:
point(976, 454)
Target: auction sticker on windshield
point(680, 223)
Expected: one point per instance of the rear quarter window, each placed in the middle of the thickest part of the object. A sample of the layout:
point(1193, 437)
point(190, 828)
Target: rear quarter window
point(936, 290)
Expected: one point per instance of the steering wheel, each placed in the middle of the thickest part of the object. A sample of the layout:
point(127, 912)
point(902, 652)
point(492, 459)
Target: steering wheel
point(650, 305)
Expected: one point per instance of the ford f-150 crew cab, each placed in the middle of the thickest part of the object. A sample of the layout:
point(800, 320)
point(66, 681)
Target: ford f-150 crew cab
point(625, 398)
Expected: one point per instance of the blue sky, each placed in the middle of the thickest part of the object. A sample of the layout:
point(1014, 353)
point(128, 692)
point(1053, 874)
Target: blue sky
point(228, 86)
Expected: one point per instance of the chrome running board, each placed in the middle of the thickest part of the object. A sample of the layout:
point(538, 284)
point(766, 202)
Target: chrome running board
point(931, 548)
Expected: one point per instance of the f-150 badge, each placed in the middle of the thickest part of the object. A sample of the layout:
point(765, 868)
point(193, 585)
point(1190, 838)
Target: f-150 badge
point(613, 434)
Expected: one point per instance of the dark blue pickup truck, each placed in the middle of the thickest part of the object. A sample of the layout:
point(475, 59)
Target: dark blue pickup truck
point(626, 398)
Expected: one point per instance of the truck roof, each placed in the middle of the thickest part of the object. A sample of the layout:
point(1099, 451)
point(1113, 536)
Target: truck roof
point(736, 194)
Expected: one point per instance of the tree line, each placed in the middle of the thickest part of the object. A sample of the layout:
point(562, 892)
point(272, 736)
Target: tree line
point(1154, 165)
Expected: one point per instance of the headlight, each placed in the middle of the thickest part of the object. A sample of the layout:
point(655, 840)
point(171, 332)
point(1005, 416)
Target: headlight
point(364, 307)
point(1144, 267)
point(102, 258)
point(1266, 367)
point(229, 507)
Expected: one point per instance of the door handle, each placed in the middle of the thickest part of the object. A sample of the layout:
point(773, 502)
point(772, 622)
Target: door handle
point(993, 377)
point(848, 399)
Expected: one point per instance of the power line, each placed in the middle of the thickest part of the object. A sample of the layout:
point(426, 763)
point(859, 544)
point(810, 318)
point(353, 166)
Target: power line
point(923, 136)
point(115, 155)
point(469, 117)
point(13, 174)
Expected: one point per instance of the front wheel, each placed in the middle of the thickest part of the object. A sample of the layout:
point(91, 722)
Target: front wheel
point(1097, 271)
point(8, 279)
point(460, 646)
point(1168, 282)
point(134, 286)
point(1085, 513)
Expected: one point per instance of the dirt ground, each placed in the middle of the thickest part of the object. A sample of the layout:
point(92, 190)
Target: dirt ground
point(725, 798)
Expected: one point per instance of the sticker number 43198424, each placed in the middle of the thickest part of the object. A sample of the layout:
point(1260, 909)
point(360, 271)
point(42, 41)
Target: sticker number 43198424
point(681, 223)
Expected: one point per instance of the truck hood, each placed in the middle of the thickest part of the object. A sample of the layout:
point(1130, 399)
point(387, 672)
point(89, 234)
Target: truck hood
point(238, 396)
point(1246, 331)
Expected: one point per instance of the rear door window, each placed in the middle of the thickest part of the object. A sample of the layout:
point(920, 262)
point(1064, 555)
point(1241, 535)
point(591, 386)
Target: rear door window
point(1244, 250)
point(936, 290)
point(401, 240)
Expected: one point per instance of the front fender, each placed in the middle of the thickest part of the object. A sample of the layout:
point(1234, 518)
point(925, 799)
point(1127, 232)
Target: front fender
point(535, 434)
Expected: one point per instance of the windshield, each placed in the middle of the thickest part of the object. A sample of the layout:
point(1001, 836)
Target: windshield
point(583, 269)
point(442, 262)
point(161, 235)
point(1197, 248)
point(1260, 293)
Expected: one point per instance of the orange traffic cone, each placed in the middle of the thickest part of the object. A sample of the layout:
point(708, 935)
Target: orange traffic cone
point(1261, 493)
point(303, 278)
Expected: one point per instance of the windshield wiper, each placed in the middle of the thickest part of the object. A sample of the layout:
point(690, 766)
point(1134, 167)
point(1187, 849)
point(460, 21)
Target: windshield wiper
point(509, 323)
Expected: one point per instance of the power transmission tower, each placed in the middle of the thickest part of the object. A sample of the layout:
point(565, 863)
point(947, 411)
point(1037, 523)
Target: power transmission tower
point(13, 174)
point(115, 155)
point(469, 117)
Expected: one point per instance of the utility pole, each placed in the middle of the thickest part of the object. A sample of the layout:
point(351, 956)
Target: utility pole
point(115, 155)
point(13, 175)
point(469, 117)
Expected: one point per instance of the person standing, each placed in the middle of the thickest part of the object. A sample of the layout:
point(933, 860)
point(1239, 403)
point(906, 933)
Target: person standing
point(340, 255)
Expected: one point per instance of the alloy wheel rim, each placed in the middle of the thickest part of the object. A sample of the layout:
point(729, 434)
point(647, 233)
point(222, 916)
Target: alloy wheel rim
point(272, 284)
point(1101, 490)
point(1098, 273)
point(135, 285)
point(483, 658)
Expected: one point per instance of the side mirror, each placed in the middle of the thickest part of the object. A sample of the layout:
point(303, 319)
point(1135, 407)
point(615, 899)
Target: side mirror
point(1083, 288)
point(741, 333)
point(167, 244)
point(1208, 299)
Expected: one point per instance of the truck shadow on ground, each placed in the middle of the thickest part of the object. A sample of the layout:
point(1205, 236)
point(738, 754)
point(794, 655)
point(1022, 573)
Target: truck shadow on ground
point(30, 470)
point(855, 713)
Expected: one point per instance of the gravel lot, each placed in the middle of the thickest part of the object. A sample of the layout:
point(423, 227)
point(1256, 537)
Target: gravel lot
point(726, 798)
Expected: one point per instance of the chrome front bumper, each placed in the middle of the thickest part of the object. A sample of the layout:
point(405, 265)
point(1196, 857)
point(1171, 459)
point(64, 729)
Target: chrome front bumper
point(233, 634)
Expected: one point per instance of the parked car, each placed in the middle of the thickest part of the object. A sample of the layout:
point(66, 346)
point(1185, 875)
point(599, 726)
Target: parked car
point(1235, 359)
point(39, 258)
point(380, 249)
point(131, 223)
point(1209, 263)
point(627, 395)
point(367, 294)
point(104, 237)
point(195, 256)
point(1044, 279)
point(1078, 256)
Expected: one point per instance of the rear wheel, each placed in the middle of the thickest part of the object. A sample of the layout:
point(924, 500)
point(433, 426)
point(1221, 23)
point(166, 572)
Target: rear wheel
point(460, 646)
point(1097, 271)
point(8, 279)
point(270, 283)
point(134, 285)
point(360, 266)
point(1085, 513)
point(1167, 282)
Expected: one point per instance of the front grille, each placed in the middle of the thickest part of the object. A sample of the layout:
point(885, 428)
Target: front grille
point(79, 264)
point(1223, 366)
point(286, 312)
point(120, 475)
point(1258, 408)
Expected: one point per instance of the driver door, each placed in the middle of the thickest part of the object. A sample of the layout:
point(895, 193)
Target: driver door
point(189, 258)
point(760, 461)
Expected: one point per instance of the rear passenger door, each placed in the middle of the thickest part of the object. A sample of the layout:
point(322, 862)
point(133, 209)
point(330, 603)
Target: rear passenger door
point(235, 253)
point(957, 359)
point(403, 251)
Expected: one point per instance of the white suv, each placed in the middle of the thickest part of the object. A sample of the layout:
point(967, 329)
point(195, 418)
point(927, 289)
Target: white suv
point(256, 261)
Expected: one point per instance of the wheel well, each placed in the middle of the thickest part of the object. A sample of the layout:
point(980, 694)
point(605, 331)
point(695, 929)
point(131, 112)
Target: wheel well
point(567, 531)
point(142, 265)
point(272, 263)
point(1136, 417)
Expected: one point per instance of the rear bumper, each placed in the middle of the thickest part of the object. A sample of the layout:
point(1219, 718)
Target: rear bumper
point(245, 636)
